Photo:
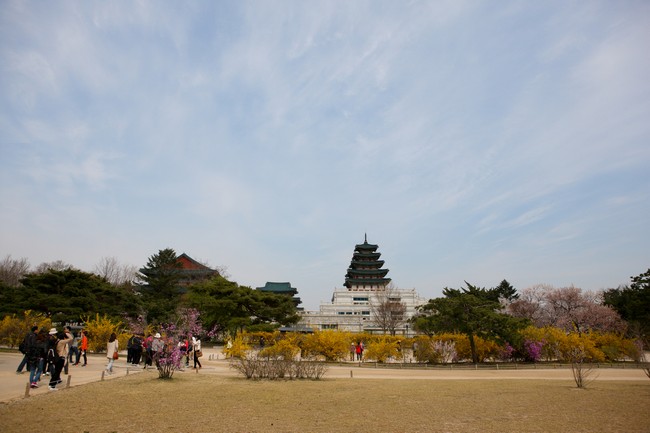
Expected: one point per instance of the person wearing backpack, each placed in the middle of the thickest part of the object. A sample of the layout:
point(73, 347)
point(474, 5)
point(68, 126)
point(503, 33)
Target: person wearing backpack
point(22, 347)
point(36, 354)
point(60, 354)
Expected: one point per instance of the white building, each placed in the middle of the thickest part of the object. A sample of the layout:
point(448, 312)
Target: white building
point(358, 306)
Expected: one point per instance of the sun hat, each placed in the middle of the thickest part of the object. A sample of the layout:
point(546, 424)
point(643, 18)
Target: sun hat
point(157, 335)
point(53, 331)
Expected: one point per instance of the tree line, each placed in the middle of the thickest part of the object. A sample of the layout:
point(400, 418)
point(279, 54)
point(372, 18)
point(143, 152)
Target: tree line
point(500, 314)
point(151, 295)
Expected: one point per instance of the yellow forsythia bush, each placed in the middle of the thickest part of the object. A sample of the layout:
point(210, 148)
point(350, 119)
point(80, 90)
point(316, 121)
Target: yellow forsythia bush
point(99, 330)
point(331, 345)
point(381, 350)
point(238, 347)
point(14, 328)
point(616, 347)
point(286, 348)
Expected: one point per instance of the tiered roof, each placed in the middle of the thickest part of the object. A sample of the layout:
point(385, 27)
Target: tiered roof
point(282, 289)
point(366, 268)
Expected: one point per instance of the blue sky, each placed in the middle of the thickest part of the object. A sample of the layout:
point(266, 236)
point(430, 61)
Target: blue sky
point(470, 140)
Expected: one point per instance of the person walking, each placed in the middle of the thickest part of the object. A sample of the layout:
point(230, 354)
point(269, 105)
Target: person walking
point(112, 348)
point(69, 336)
point(37, 354)
point(60, 355)
point(157, 346)
point(196, 349)
point(83, 348)
point(74, 350)
point(136, 347)
point(28, 345)
point(23, 349)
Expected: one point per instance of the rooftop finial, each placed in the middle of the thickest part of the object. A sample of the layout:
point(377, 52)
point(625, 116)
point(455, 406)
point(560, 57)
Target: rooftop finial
point(365, 238)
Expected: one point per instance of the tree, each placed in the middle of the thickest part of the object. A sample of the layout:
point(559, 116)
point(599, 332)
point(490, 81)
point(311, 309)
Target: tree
point(504, 291)
point(633, 304)
point(388, 311)
point(568, 308)
point(68, 294)
point(227, 306)
point(112, 271)
point(58, 265)
point(472, 311)
point(12, 270)
point(160, 291)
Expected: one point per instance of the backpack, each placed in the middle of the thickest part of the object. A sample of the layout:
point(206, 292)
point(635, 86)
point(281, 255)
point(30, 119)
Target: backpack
point(51, 352)
point(23, 346)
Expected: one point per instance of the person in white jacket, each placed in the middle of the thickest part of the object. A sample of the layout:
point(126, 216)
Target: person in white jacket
point(112, 347)
point(196, 349)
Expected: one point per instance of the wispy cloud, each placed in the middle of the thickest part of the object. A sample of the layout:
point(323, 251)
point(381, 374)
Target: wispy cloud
point(460, 135)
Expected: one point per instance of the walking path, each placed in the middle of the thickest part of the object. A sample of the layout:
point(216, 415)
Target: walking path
point(13, 386)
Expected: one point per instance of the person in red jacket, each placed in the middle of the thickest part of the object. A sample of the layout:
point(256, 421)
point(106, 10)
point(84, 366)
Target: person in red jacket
point(83, 347)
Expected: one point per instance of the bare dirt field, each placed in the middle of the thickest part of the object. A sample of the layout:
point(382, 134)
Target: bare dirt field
point(349, 399)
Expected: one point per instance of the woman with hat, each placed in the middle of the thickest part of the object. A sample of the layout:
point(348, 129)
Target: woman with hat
point(61, 340)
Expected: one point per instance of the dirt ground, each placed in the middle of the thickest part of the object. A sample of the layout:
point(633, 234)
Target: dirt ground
point(350, 398)
point(13, 386)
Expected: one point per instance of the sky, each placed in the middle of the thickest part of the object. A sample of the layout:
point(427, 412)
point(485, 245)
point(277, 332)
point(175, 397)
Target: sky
point(470, 140)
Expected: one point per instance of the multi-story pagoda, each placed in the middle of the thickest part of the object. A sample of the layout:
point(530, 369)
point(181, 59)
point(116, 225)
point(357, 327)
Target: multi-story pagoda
point(365, 272)
point(354, 307)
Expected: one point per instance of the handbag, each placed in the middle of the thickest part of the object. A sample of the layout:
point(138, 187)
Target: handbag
point(116, 355)
point(199, 353)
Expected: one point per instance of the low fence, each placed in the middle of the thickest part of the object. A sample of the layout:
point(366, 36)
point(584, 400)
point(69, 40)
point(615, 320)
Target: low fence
point(499, 366)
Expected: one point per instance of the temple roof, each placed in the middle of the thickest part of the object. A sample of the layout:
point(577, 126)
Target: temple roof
point(187, 266)
point(278, 288)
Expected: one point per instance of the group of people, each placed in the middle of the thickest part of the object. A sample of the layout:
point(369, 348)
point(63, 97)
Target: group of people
point(149, 349)
point(356, 350)
point(49, 352)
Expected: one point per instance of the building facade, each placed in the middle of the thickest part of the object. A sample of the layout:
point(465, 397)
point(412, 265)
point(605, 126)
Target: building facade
point(360, 306)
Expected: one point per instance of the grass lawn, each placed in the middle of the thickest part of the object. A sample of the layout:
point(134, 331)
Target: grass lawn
point(205, 403)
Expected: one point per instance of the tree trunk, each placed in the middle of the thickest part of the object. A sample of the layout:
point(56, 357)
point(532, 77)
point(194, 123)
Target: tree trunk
point(472, 346)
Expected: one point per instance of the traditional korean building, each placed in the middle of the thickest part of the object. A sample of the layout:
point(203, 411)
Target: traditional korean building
point(189, 270)
point(354, 306)
point(282, 289)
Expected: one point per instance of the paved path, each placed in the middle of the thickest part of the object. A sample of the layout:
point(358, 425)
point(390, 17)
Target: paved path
point(12, 385)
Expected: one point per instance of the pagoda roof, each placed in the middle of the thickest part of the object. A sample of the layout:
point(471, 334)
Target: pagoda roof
point(368, 263)
point(369, 281)
point(366, 255)
point(381, 272)
point(365, 247)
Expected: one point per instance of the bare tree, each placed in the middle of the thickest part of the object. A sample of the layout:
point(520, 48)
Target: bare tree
point(58, 265)
point(388, 310)
point(582, 371)
point(118, 275)
point(13, 270)
point(568, 308)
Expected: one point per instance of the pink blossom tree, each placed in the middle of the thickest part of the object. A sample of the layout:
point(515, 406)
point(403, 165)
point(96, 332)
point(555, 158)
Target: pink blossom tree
point(568, 308)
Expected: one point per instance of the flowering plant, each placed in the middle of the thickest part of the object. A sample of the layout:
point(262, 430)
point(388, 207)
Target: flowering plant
point(533, 349)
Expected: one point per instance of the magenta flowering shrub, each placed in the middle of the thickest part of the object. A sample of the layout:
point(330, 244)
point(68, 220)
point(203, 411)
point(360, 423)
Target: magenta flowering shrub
point(533, 350)
point(507, 352)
